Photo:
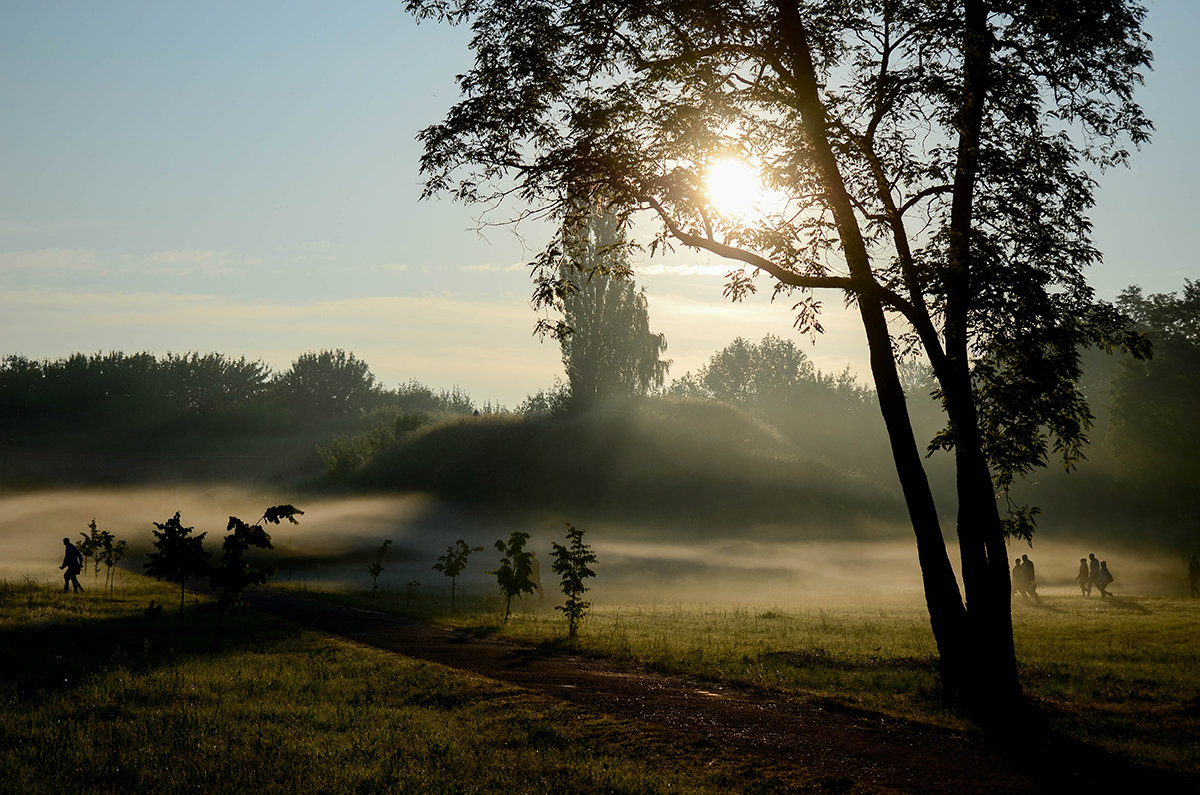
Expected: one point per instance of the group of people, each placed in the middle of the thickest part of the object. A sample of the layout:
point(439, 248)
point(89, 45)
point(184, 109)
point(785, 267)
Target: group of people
point(1093, 573)
point(1024, 581)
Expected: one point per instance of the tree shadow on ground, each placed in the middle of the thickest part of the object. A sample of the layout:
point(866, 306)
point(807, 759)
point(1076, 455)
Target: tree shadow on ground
point(60, 655)
point(1059, 762)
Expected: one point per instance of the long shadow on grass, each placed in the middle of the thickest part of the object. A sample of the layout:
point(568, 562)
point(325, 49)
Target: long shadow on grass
point(57, 656)
point(1127, 604)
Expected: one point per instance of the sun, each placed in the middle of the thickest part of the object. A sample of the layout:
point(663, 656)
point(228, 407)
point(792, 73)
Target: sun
point(734, 188)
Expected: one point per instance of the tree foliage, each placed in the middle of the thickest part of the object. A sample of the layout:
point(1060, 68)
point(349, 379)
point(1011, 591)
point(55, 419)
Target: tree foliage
point(514, 575)
point(608, 349)
point(103, 548)
point(233, 573)
point(178, 556)
point(934, 163)
point(454, 562)
point(573, 564)
point(376, 567)
point(329, 382)
point(1155, 431)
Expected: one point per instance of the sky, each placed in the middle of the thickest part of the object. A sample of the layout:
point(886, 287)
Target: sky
point(242, 177)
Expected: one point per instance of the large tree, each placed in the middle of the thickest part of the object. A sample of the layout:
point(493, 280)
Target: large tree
point(1155, 431)
point(933, 163)
point(608, 349)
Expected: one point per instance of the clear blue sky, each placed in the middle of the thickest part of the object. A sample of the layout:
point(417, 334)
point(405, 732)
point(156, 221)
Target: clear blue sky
point(242, 177)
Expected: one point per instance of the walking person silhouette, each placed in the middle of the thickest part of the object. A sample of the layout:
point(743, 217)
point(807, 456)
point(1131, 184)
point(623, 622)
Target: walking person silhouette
point(1084, 578)
point(73, 563)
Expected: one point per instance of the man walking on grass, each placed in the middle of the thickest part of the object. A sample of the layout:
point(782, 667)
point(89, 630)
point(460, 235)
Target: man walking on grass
point(73, 563)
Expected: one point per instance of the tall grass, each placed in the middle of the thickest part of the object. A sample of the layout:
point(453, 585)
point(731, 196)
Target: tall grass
point(99, 697)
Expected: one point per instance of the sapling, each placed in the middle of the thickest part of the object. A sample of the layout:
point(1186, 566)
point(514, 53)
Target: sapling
point(515, 572)
point(232, 573)
point(573, 564)
point(453, 562)
point(376, 568)
point(178, 556)
point(110, 554)
point(90, 546)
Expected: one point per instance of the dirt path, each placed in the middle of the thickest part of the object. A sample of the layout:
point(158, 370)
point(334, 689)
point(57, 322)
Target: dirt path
point(876, 753)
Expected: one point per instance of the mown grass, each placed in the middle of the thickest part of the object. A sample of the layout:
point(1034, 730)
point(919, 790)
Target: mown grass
point(1122, 675)
point(98, 697)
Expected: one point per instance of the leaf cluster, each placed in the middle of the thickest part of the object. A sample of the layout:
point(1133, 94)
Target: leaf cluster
point(573, 564)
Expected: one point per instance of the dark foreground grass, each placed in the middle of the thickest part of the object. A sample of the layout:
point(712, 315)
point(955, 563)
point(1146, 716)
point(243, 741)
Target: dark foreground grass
point(1120, 675)
point(98, 697)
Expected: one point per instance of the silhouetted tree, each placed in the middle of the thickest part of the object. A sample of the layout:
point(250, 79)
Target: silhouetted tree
point(1155, 428)
point(376, 567)
point(178, 557)
point(232, 574)
point(204, 384)
point(573, 565)
point(329, 382)
point(454, 561)
point(515, 572)
point(112, 551)
point(933, 163)
point(90, 545)
point(608, 349)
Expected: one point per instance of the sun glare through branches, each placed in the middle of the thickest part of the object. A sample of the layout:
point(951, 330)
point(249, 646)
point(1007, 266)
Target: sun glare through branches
point(736, 191)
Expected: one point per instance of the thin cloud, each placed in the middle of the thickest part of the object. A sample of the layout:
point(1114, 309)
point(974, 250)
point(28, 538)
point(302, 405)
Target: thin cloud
point(50, 260)
point(491, 268)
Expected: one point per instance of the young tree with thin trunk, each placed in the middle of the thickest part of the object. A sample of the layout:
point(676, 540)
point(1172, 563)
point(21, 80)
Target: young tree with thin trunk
point(453, 562)
point(112, 552)
point(376, 567)
point(178, 556)
point(573, 564)
point(233, 573)
point(515, 572)
point(930, 163)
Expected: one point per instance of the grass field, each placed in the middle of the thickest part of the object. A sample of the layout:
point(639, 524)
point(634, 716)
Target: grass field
point(99, 697)
point(1120, 674)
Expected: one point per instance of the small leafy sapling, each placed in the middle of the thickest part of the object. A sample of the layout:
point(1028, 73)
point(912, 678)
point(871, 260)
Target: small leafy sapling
point(573, 564)
point(232, 573)
point(453, 562)
point(178, 556)
point(376, 568)
point(89, 546)
point(515, 572)
point(112, 551)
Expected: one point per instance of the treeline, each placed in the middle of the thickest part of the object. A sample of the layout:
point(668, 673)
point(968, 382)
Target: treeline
point(143, 389)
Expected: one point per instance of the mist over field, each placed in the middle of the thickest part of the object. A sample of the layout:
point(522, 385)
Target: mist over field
point(783, 566)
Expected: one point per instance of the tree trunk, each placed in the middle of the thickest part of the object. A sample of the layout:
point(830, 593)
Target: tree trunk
point(992, 691)
point(943, 599)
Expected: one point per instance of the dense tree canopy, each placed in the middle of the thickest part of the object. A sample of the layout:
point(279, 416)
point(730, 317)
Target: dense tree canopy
point(933, 162)
point(608, 349)
point(1155, 431)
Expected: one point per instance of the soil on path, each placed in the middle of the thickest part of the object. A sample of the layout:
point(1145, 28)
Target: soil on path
point(879, 754)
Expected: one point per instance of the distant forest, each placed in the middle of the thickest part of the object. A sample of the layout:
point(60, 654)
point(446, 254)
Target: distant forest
point(756, 434)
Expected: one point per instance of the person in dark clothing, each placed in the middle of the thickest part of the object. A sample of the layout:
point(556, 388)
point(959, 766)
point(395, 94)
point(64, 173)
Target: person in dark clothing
point(73, 564)
point(1103, 579)
point(1027, 571)
point(1084, 578)
point(1194, 575)
point(1018, 579)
